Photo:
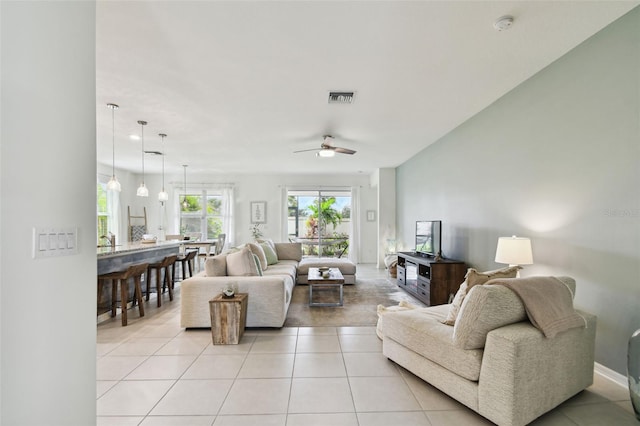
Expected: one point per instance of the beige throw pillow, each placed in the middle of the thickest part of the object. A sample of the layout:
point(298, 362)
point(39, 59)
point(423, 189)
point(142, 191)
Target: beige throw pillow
point(216, 266)
point(289, 251)
point(241, 263)
point(259, 251)
point(473, 278)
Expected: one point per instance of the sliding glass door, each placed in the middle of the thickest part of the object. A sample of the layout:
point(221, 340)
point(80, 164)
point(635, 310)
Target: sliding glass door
point(320, 220)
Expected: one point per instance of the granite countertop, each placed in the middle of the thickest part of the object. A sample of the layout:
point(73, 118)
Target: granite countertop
point(131, 247)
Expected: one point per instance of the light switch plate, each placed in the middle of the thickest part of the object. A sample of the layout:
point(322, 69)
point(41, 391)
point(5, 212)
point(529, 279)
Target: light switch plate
point(49, 242)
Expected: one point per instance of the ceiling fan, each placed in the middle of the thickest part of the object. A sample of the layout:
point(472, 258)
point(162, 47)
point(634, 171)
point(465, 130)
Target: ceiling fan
point(328, 150)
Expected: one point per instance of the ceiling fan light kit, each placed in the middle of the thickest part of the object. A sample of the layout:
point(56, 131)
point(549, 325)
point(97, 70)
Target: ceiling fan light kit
point(326, 149)
point(324, 152)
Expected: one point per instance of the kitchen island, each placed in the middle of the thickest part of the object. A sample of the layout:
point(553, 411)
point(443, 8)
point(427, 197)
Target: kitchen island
point(120, 257)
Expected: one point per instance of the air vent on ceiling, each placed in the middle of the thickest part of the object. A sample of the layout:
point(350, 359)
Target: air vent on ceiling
point(153, 152)
point(341, 97)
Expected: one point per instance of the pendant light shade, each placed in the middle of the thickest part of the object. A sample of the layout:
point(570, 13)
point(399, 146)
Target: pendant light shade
point(142, 189)
point(185, 204)
point(163, 195)
point(113, 184)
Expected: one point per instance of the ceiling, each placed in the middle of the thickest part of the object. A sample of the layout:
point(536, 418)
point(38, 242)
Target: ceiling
point(238, 86)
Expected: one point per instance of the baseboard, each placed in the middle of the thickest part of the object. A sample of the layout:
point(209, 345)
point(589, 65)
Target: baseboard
point(614, 376)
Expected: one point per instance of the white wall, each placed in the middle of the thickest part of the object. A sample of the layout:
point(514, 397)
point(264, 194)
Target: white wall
point(47, 306)
point(556, 160)
point(386, 215)
point(249, 188)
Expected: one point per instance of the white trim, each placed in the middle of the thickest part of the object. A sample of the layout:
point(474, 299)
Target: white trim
point(614, 376)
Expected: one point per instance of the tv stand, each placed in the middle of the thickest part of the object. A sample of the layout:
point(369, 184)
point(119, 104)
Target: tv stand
point(429, 279)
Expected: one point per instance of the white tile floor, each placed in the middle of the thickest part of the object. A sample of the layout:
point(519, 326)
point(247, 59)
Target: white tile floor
point(153, 372)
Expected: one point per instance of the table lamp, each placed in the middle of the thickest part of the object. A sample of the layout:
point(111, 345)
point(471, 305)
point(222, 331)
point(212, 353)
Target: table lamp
point(514, 251)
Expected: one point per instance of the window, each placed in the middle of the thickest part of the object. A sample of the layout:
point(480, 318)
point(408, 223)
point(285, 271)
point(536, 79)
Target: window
point(103, 212)
point(203, 213)
point(320, 220)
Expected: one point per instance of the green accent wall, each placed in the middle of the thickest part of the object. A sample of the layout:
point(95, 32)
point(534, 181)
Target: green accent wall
point(557, 159)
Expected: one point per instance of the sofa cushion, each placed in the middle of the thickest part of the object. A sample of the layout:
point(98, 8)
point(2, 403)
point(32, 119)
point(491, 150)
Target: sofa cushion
point(472, 278)
point(485, 308)
point(422, 331)
point(259, 251)
point(402, 306)
point(216, 266)
point(241, 263)
point(283, 267)
point(488, 307)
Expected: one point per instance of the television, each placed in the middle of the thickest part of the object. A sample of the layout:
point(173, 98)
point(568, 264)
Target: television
point(429, 238)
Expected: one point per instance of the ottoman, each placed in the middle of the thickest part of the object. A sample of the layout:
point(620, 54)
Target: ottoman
point(347, 268)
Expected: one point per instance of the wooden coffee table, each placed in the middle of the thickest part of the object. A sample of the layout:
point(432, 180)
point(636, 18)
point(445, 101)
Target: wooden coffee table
point(316, 280)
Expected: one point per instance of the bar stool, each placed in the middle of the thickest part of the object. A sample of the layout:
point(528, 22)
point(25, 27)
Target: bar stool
point(187, 261)
point(122, 277)
point(164, 264)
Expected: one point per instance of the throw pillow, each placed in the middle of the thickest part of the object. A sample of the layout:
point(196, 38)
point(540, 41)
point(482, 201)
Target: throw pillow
point(289, 251)
point(266, 240)
point(270, 253)
point(259, 251)
point(473, 278)
point(241, 263)
point(258, 266)
point(216, 266)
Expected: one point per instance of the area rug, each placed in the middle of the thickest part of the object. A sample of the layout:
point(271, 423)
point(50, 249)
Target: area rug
point(360, 304)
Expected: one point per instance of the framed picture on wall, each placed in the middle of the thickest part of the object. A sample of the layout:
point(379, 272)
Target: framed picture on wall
point(371, 215)
point(258, 212)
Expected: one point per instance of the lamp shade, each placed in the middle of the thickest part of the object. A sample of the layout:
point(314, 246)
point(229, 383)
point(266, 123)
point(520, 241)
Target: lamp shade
point(514, 251)
point(142, 191)
point(113, 184)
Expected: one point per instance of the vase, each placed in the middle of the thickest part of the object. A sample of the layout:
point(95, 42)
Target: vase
point(633, 371)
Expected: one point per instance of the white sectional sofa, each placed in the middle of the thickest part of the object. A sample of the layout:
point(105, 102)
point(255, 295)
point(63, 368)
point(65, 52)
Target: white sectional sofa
point(493, 360)
point(269, 294)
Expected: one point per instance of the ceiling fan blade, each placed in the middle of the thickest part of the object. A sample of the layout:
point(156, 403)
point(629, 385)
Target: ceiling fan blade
point(343, 150)
point(306, 150)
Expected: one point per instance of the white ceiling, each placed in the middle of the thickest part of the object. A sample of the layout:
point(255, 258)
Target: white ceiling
point(239, 85)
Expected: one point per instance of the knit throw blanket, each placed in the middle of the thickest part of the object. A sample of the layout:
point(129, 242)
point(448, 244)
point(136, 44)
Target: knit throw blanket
point(547, 301)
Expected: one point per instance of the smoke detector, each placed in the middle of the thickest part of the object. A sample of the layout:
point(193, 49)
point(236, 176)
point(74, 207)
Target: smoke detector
point(341, 97)
point(503, 23)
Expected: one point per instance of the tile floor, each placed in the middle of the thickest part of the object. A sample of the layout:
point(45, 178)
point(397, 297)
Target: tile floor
point(153, 372)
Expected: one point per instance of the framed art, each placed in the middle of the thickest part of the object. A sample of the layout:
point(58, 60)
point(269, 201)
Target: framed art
point(371, 215)
point(258, 212)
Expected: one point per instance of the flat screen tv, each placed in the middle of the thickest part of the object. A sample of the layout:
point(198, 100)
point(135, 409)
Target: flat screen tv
point(429, 237)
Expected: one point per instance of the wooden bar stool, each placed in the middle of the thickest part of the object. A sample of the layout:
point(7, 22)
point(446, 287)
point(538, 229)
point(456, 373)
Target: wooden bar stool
point(122, 277)
point(187, 262)
point(165, 264)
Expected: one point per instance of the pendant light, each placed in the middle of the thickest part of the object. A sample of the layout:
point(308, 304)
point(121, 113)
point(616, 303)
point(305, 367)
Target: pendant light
point(113, 184)
point(142, 189)
point(184, 202)
point(163, 195)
